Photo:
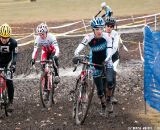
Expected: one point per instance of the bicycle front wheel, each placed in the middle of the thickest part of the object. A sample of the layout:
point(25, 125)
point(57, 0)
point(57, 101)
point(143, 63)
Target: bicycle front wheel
point(84, 94)
point(47, 88)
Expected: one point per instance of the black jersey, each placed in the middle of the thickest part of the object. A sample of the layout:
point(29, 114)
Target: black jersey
point(8, 52)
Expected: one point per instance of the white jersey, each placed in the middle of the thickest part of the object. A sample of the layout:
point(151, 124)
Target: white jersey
point(49, 44)
point(115, 40)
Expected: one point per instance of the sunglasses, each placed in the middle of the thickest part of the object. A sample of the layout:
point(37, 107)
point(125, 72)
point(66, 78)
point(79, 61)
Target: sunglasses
point(97, 29)
point(110, 26)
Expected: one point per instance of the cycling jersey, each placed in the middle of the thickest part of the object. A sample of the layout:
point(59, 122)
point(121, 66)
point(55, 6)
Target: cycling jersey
point(100, 48)
point(115, 38)
point(8, 52)
point(48, 45)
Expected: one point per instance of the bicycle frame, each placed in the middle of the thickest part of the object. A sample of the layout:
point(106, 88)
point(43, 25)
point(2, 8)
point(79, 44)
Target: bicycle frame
point(3, 89)
point(48, 70)
point(46, 82)
point(84, 91)
point(3, 85)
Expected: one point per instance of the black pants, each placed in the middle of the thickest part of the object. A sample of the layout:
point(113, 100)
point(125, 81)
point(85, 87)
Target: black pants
point(114, 82)
point(56, 69)
point(102, 83)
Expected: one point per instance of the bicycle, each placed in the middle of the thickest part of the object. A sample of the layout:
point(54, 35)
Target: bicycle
point(83, 91)
point(47, 85)
point(3, 89)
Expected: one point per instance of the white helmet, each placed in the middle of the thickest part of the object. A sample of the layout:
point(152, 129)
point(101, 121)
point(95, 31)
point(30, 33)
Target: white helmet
point(42, 28)
point(103, 4)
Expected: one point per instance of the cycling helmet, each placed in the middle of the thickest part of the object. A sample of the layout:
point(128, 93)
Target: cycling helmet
point(110, 21)
point(103, 5)
point(97, 22)
point(42, 28)
point(5, 30)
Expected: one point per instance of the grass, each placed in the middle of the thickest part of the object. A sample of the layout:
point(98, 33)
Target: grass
point(152, 117)
point(20, 11)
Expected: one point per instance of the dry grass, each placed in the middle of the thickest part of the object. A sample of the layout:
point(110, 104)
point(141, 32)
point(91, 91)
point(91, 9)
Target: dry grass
point(16, 11)
point(152, 117)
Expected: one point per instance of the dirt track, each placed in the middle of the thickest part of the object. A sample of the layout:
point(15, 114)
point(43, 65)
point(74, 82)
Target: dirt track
point(29, 113)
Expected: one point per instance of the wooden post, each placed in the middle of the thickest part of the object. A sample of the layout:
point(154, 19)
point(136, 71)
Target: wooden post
point(155, 25)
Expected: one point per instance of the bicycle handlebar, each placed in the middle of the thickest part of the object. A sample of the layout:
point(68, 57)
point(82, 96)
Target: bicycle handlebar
point(4, 69)
point(85, 62)
point(46, 61)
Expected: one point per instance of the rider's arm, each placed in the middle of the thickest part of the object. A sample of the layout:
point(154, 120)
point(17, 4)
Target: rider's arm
point(14, 53)
point(115, 41)
point(56, 46)
point(35, 51)
point(81, 46)
point(54, 42)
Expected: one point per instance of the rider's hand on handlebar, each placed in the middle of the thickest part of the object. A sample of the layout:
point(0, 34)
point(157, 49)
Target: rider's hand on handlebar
point(13, 68)
point(32, 62)
point(53, 56)
point(75, 59)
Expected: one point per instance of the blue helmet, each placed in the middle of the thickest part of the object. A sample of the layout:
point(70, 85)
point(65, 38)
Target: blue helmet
point(97, 22)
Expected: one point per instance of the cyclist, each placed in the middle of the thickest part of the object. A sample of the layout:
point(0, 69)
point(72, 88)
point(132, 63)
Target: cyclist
point(49, 46)
point(109, 26)
point(107, 9)
point(8, 55)
point(100, 52)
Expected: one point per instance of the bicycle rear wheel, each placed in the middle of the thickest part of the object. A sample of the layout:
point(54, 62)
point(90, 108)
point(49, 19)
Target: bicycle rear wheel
point(84, 94)
point(4, 103)
point(5, 98)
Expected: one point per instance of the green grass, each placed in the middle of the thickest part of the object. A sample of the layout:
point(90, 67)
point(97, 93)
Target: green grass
point(17, 11)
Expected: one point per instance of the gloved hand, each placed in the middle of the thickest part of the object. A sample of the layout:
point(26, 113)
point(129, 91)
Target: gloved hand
point(32, 62)
point(54, 57)
point(75, 59)
point(13, 68)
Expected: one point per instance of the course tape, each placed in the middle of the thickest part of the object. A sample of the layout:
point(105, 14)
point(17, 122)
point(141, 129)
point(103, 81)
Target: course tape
point(66, 34)
point(25, 37)
point(66, 25)
point(26, 43)
point(132, 18)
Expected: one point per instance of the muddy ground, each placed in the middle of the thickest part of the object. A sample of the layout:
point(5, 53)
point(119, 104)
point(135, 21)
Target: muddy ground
point(30, 115)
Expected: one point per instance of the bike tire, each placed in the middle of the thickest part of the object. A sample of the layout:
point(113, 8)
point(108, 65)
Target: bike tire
point(5, 98)
point(80, 118)
point(51, 92)
point(74, 97)
point(41, 88)
point(4, 104)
